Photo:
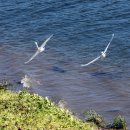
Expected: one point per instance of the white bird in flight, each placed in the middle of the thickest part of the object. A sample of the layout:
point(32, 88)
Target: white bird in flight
point(39, 49)
point(103, 54)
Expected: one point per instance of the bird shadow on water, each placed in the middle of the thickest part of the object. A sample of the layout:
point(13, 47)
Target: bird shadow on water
point(57, 69)
point(101, 74)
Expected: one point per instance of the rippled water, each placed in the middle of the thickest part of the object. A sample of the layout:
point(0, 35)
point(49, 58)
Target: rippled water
point(81, 30)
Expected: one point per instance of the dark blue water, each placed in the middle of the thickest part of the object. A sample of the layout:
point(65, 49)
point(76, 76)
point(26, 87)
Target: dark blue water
point(81, 29)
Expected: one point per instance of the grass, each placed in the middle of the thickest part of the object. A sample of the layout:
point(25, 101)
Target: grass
point(25, 111)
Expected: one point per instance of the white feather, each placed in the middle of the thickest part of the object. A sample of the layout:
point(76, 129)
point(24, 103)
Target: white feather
point(44, 43)
point(109, 44)
point(91, 61)
point(40, 49)
point(103, 54)
point(36, 53)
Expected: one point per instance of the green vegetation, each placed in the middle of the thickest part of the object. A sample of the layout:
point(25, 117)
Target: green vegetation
point(119, 123)
point(25, 111)
point(92, 116)
point(4, 84)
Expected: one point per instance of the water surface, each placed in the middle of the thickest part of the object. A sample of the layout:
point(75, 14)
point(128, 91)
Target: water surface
point(81, 29)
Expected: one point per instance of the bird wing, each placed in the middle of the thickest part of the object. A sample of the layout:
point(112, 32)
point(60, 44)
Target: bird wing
point(44, 43)
point(36, 44)
point(91, 61)
point(109, 44)
point(35, 54)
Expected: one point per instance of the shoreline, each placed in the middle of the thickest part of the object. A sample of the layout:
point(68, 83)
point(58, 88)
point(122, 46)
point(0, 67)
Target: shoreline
point(23, 110)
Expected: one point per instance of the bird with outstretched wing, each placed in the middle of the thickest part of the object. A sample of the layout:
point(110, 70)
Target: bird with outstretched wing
point(103, 54)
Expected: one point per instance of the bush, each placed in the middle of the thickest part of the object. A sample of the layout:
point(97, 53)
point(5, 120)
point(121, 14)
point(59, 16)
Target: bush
point(92, 116)
point(119, 123)
point(4, 84)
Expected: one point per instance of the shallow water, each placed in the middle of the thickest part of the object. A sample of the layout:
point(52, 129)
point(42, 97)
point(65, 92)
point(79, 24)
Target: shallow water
point(81, 30)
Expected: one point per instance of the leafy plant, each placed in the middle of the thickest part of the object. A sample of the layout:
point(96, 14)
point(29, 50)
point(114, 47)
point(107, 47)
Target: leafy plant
point(4, 84)
point(93, 116)
point(119, 123)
